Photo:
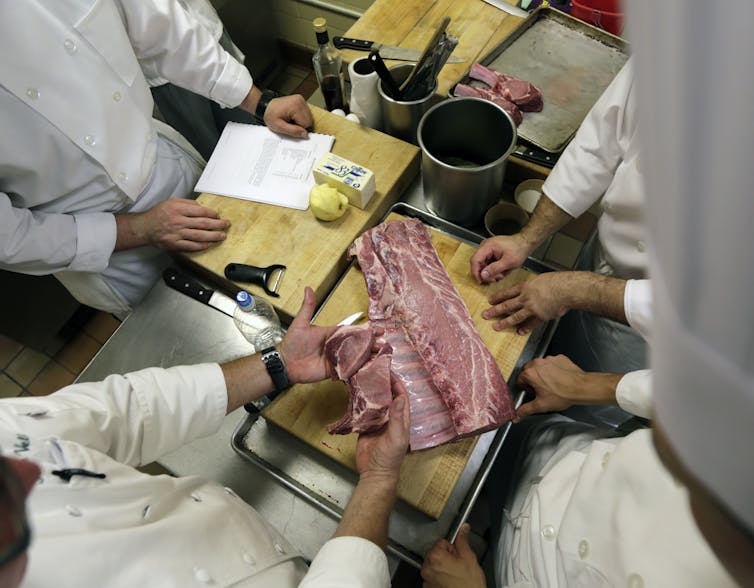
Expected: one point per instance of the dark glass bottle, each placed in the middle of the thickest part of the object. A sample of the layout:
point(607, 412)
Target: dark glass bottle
point(328, 68)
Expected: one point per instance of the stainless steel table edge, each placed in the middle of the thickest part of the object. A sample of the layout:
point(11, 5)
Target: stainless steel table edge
point(535, 347)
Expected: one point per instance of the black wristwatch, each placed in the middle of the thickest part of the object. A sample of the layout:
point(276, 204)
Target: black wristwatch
point(273, 361)
point(264, 100)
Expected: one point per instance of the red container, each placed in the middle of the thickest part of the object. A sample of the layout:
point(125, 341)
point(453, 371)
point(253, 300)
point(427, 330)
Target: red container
point(605, 14)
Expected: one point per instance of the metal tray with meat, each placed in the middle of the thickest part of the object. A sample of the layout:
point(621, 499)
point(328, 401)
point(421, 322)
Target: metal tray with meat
point(289, 441)
point(568, 60)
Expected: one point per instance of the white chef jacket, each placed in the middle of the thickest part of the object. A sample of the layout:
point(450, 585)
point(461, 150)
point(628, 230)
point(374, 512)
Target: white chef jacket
point(602, 161)
point(601, 512)
point(79, 142)
point(133, 529)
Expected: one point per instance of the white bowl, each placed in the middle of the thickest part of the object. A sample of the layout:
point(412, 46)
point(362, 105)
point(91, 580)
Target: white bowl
point(527, 194)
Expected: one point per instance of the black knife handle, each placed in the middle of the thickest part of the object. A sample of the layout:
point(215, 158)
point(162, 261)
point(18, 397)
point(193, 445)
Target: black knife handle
point(348, 43)
point(388, 81)
point(187, 285)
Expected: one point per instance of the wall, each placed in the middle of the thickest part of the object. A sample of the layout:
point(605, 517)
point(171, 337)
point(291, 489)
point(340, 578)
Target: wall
point(294, 19)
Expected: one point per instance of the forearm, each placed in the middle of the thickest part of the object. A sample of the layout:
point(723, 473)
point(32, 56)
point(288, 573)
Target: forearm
point(595, 293)
point(368, 512)
point(594, 388)
point(129, 231)
point(251, 101)
point(546, 219)
point(246, 379)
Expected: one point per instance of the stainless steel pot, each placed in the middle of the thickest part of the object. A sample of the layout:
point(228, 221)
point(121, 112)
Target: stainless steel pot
point(465, 145)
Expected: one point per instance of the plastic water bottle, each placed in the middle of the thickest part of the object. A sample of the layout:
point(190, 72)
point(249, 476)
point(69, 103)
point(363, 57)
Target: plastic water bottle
point(257, 321)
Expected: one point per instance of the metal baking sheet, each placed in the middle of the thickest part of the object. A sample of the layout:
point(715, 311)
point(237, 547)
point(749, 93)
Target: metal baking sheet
point(328, 485)
point(572, 63)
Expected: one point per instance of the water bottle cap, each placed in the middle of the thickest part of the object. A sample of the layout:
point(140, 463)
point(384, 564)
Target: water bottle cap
point(245, 300)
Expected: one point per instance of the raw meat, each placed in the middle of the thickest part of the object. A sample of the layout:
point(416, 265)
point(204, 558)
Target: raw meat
point(507, 105)
point(370, 396)
point(347, 349)
point(454, 385)
point(523, 94)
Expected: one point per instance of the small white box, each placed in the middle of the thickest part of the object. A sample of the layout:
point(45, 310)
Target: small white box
point(352, 179)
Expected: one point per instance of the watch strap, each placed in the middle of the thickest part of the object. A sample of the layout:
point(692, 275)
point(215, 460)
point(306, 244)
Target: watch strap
point(273, 361)
point(264, 101)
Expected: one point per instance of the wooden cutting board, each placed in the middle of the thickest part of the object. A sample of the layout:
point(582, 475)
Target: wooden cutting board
point(427, 477)
point(313, 251)
point(411, 23)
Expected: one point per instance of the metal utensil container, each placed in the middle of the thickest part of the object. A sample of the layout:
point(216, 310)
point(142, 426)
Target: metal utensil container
point(465, 145)
point(400, 118)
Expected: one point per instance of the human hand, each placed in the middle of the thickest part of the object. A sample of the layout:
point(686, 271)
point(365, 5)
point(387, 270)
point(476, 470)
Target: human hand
point(450, 565)
point(530, 303)
point(289, 115)
point(379, 454)
point(303, 348)
point(176, 224)
point(556, 382)
point(497, 256)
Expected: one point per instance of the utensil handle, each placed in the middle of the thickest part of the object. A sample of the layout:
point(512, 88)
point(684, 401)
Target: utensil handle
point(384, 74)
point(187, 285)
point(349, 43)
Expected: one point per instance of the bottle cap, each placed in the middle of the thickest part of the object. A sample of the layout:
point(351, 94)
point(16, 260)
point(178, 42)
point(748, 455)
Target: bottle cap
point(320, 25)
point(245, 300)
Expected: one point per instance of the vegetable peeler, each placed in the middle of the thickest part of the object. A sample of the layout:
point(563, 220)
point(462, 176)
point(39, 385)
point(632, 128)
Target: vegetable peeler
point(261, 276)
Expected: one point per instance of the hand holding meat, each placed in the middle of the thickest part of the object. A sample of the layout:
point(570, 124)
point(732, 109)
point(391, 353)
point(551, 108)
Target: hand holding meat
point(174, 225)
point(304, 344)
point(379, 455)
point(289, 115)
point(497, 256)
point(450, 565)
point(529, 304)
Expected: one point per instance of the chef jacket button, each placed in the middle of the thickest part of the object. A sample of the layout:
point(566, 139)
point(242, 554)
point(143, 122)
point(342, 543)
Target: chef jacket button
point(32, 93)
point(640, 246)
point(605, 458)
point(548, 532)
point(635, 581)
point(89, 140)
point(196, 498)
point(123, 176)
point(117, 96)
point(583, 549)
point(279, 549)
point(72, 510)
point(249, 559)
point(202, 575)
point(70, 46)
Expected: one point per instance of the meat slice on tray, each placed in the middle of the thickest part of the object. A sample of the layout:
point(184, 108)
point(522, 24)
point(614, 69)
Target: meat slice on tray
point(454, 386)
point(504, 103)
point(523, 94)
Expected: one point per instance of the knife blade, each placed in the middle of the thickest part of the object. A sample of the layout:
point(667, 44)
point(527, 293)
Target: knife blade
point(191, 287)
point(385, 51)
point(509, 8)
point(349, 320)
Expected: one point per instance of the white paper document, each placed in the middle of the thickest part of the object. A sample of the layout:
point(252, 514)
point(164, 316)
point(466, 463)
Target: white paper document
point(253, 163)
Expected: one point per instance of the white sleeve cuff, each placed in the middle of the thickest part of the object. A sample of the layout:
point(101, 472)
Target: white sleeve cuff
point(95, 241)
point(634, 393)
point(348, 562)
point(233, 85)
point(637, 304)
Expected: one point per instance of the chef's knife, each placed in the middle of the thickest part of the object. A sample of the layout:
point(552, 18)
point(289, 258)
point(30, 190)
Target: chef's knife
point(385, 51)
point(510, 9)
point(191, 287)
point(349, 320)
